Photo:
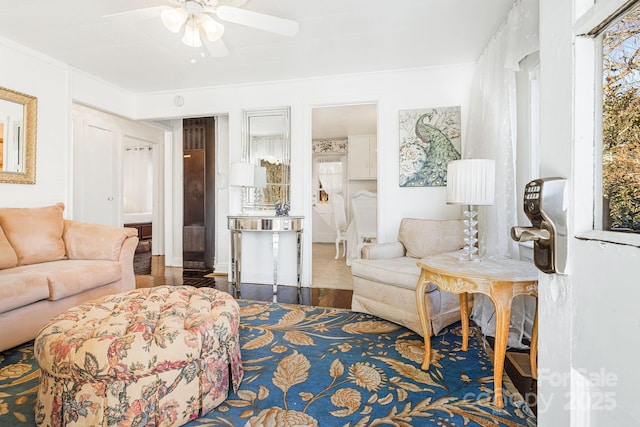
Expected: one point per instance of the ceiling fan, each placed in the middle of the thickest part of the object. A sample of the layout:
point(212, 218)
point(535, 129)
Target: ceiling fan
point(197, 18)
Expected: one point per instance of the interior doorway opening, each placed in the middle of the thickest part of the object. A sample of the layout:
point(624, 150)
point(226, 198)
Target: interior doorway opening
point(344, 163)
point(199, 208)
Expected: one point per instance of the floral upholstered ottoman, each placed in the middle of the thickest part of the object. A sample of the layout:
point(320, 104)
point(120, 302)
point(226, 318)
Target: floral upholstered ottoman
point(155, 356)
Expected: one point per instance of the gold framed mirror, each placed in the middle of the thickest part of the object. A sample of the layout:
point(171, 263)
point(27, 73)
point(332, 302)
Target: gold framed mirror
point(18, 121)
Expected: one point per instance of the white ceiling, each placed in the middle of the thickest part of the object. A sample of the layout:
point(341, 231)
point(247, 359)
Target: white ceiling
point(135, 52)
point(344, 120)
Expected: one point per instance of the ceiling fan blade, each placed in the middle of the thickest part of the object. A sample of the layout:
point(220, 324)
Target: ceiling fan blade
point(217, 49)
point(257, 20)
point(146, 12)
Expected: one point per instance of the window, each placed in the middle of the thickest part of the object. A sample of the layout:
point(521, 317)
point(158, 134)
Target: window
point(621, 124)
point(330, 178)
point(527, 109)
point(138, 179)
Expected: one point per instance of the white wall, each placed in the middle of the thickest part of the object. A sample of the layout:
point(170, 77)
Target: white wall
point(222, 194)
point(93, 92)
point(589, 319)
point(58, 85)
point(392, 91)
point(48, 80)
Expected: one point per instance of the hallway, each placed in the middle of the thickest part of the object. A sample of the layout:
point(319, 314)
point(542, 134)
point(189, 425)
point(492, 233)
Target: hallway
point(328, 272)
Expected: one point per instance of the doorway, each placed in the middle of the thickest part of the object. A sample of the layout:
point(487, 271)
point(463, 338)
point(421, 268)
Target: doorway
point(339, 170)
point(199, 184)
point(117, 170)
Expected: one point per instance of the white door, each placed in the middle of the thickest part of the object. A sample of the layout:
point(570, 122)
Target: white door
point(96, 196)
point(99, 197)
point(99, 141)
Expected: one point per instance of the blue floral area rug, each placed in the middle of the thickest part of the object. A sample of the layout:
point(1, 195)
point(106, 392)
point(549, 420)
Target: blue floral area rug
point(312, 366)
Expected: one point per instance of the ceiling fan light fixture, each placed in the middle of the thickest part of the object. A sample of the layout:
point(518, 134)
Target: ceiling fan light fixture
point(192, 33)
point(193, 16)
point(227, 13)
point(173, 18)
point(213, 30)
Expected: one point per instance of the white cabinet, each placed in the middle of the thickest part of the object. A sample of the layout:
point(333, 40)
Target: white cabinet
point(363, 157)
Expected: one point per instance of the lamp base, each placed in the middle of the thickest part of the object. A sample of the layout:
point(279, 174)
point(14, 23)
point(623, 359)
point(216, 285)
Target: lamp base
point(469, 258)
point(470, 251)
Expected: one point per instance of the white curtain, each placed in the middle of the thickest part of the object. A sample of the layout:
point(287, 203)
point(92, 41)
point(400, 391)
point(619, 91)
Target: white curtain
point(491, 133)
point(330, 175)
point(138, 179)
point(270, 148)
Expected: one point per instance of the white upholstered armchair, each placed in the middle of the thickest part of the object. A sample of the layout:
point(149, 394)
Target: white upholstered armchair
point(384, 279)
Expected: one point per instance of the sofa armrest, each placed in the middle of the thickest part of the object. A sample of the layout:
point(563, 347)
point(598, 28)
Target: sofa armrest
point(85, 240)
point(383, 250)
point(126, 261)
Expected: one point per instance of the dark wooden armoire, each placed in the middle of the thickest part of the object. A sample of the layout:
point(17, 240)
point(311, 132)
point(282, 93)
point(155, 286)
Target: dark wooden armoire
point(198, 244)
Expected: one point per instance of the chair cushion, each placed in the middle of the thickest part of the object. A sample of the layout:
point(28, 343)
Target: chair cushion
point(401, 272)
point(424, 237)
point(35, 233)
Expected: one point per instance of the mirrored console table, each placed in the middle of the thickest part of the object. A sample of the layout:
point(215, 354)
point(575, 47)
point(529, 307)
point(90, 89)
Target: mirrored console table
point(272, 224)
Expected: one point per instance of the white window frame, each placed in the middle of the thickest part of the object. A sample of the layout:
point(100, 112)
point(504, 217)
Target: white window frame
point(588, 122)
point(528, 128)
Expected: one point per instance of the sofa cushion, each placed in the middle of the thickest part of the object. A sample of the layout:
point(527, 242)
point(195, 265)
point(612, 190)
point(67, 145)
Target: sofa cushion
point(70, 277)
point(402, 272)
point(8, 257)
point(94, 241)
point(20, 287)
point(424, 237)
point(35, 233)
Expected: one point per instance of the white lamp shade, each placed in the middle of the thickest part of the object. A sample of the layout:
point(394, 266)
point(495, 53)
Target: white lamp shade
point(192, 33)
point(260, 177)
point(471, 182)
point(173, 18)
point(241, 174)
point(212, 29)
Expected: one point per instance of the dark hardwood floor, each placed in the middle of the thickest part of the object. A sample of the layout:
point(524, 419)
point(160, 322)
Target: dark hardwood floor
point(162, 275)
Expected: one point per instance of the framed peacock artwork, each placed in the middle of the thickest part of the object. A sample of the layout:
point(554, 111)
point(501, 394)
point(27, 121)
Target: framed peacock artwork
point(429, 140)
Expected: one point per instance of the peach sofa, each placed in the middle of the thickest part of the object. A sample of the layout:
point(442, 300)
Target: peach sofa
point(49, 264)
point(385, 279)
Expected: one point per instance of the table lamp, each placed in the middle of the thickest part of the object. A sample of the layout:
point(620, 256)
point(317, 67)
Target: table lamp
point(471, 182)
point(260, 183)
point(242, 174)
